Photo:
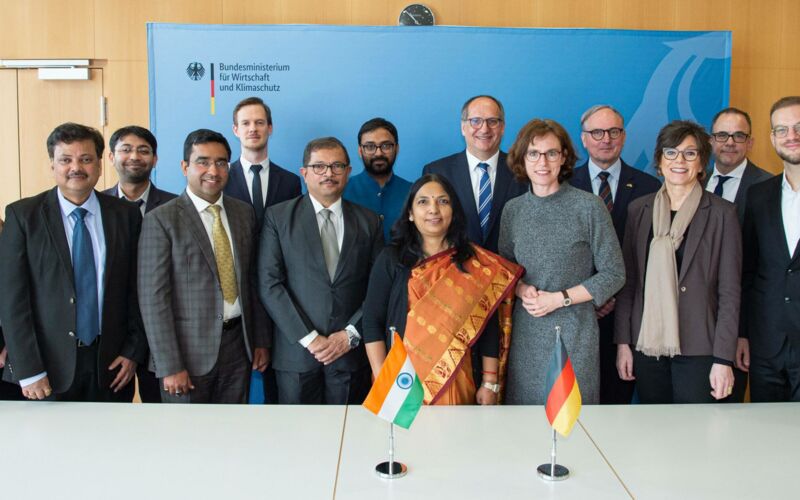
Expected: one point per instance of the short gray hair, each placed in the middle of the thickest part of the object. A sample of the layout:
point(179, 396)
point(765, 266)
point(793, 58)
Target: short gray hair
point(599, 107)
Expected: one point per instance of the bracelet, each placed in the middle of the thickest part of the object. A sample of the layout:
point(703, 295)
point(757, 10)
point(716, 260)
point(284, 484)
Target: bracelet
point(486, 372)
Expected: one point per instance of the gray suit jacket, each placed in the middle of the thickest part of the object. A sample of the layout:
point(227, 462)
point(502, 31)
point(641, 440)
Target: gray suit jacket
point(709, 280)
point(179, 290)
point(294, 285)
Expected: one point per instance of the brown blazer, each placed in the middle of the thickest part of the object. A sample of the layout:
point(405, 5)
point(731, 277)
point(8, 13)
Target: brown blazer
point(709, 281)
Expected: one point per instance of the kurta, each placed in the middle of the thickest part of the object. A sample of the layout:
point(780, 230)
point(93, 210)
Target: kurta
point(562, 240)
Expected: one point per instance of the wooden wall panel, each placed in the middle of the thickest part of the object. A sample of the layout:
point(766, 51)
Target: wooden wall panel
point(249, 12)
point(571, 14)
point(121, 31)
point(42, 106)
point(47, 29)
point(9, 138)
point(638, 15)
point(512, 13)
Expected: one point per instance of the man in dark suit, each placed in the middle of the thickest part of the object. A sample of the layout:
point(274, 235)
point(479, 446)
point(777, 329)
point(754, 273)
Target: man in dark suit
point(8, 391)
point(134, 153)
point(732, 176)
point(314, 261)
point(617, 184)
point(196, 291)
point(68, 274)
point(770, 320)
point(479, 174)
point(256, 180)
point(733, 172)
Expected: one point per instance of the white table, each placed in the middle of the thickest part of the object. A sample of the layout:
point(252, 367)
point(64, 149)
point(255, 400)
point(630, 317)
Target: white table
point(463, 453)
point(117, 451)
point(726, 451)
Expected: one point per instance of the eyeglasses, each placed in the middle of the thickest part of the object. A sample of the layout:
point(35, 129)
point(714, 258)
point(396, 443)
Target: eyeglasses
point(371, 148)
point(477, 123)
point(782, 131)
point(549, 155)
point(738, 137)
point(220, 164)
point(141, 150)
point(672, 154)
point(320, 168)
point(598, 133)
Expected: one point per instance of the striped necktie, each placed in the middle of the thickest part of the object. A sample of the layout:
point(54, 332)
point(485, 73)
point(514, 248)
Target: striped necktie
point(484, 198)
point(605, 190)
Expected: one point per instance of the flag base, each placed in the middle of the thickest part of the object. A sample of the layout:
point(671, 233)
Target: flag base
point(560, 472)
point(397, 470)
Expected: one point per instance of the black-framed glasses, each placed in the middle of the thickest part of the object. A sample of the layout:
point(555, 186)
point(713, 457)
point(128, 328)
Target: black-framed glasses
point(688, 154)
point(549, 155)
point(598, 133)
point(371, 147)
point(141, 150)
point(477, 123)
point(204, 163)
point(782, 131)
point(336, 167)
point(738, 137)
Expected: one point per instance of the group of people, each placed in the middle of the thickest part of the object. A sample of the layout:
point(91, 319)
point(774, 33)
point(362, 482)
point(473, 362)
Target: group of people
point(665, 293)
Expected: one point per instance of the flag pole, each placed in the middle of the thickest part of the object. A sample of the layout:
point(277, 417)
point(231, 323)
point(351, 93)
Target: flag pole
point(553, 471)
point(391, 469)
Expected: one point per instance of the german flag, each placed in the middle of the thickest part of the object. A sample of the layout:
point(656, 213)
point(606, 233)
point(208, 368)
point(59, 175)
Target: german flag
point(213, 99)
point(563, 396)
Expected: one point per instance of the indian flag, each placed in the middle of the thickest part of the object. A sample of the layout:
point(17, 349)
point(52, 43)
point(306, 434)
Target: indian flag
point(397, 394)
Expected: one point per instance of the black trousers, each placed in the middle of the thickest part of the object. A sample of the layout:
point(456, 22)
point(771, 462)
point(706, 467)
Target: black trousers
point(85, 386)
point(324, 385)
point(613, 390)
point(149, 386)
point(10, 391)
point(681, 379)
point(227, 382)
point(776, 378)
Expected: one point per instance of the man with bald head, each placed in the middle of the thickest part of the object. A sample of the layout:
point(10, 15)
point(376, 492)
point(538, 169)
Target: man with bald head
point(479, 174)
point(617, 184)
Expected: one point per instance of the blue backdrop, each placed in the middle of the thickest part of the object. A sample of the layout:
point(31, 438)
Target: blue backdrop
point(328, 80)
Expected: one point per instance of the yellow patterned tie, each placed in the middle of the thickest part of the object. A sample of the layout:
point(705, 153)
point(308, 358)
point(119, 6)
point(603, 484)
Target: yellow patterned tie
point(222, 253)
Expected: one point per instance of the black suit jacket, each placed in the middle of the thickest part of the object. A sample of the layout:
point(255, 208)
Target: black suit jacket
point(752, 175)
point(156, 198)
point(282, 185)
point(37, 306)
point(770, 275)
point(295, 287)
point(633, 183)
point(456, 170)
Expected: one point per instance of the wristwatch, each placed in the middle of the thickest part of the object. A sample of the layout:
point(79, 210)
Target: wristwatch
point(495, 388)
point(352, 336)
point(567, 301)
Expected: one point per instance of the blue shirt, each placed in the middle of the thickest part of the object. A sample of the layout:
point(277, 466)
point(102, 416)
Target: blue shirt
point(614, 171)
point(386, 201)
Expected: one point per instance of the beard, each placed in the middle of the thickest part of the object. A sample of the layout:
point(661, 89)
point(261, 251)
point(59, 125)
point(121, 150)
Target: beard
point(136, 176)
point(793, 159)
point(379, 166)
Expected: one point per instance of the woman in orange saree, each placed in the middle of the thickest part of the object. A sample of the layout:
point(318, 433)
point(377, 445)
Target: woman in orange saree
point(444, 296)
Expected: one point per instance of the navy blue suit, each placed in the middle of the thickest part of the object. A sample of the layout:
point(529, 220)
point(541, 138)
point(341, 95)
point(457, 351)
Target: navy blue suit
point(456, 170)
point(149, 389)
point(633, 183)
point(282, 185)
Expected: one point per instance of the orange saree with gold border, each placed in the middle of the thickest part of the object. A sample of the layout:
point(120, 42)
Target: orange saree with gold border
point(448, 311)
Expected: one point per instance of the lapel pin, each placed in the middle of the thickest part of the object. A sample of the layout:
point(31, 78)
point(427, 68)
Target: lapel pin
point(629, 185)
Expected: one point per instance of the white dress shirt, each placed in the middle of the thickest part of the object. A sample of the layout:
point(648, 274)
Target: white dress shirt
point(790, 212)
point(338, 224)
point(229, 311)
point(614, 171)
point(475, 173)
point(248, 177)
point(731, 186)
point(94, 224)
point(145, 195)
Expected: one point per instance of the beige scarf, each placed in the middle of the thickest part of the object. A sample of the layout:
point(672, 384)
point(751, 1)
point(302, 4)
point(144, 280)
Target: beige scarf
point(659, 335)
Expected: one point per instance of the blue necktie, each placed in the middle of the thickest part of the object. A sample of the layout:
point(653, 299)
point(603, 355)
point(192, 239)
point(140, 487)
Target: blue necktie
point(85, 276)
point(720, 181)
point(258, 197)
point(484, 198)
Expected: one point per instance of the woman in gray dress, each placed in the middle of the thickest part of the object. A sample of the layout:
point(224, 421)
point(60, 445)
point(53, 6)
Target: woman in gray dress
point(565, 240)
